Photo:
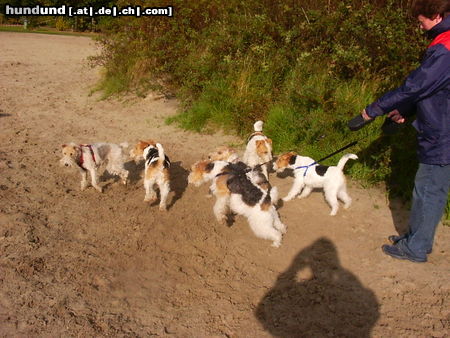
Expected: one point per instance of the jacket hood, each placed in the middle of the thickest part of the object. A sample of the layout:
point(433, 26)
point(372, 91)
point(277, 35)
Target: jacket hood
point(440, 28)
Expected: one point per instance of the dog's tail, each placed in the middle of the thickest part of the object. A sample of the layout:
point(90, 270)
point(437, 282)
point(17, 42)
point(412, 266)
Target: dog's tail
point(124, 145)
point(258, 126)
point(344, 160)
point(161, 154)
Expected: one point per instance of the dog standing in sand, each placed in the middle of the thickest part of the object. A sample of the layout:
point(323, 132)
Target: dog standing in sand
point(244, 191)
point(156, 172)
point(309, 175)
point(90, 157)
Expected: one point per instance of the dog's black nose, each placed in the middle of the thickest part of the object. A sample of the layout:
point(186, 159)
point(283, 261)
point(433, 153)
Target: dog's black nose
point(66, 164)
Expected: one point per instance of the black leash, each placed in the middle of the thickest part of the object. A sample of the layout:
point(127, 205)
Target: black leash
point(338, 151)
point(306, 167)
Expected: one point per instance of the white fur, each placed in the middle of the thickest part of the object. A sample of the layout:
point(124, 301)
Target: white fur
point(333, 182)
point(265, 224)
point(105, 153)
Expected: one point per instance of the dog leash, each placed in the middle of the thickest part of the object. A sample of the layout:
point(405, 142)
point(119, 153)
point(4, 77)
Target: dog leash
point(306, 167)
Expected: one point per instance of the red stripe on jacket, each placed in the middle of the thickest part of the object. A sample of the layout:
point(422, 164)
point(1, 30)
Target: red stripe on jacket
point(443, 38)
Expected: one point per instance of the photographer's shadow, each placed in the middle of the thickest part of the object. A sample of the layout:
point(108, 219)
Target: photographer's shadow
point(317, 297)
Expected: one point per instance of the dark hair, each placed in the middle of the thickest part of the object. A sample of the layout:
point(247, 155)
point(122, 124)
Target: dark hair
point(430, 8)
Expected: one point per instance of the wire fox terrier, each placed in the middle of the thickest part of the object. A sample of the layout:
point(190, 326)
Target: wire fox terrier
point(156, 172)
point(244, 191)
point(309, 175)
point(89, 157)
point(259, 149)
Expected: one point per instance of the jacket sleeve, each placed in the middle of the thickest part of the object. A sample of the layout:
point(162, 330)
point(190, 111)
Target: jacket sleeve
point(432, 75)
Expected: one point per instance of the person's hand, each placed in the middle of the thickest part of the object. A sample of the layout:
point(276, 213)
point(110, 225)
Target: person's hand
point(396, 116)
point(365, 116)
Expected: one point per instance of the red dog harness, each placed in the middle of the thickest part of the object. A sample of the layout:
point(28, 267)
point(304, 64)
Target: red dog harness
point(80, 163)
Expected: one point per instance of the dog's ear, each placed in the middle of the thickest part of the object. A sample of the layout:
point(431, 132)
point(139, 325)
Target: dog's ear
point(143, 144)
point(292, 159)
point(269, 140)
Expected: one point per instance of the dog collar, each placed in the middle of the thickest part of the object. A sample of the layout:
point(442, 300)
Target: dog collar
point(81, 162)
point(306, 167)
point(256, 133)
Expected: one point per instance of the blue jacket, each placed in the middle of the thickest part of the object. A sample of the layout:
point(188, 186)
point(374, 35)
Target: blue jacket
point(427, 91)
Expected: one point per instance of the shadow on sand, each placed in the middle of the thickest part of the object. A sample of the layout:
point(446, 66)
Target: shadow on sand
point(317, 297)
point(401, 158)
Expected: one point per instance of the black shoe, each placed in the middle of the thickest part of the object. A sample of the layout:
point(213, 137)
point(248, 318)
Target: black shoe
point(395, 252)
point(394, 240)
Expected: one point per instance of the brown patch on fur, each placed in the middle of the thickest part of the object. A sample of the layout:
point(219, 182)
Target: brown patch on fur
point(151, 172)
point(71, 151)
point(264, 185)
point(166, 174)
point(262, 149)
point(284, 159)
point(138, 149)
point(266, 204)
point(222, 187)
point(198, 169)
point(154, 170)
point(221, 154)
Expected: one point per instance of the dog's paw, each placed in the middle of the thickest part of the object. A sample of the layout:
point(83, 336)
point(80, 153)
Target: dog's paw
point(222, 220)
point(150, 198)
point(98, 188)
point(276, 244)
point(162, 208)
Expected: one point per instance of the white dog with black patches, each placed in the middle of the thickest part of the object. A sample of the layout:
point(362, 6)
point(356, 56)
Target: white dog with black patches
point(157, 165)
point(309, 175)
point(259, 149)
point(90, 157)
point(244, 191)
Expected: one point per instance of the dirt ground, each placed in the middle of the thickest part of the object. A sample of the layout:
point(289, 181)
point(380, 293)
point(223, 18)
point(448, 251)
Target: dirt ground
point(85, 264)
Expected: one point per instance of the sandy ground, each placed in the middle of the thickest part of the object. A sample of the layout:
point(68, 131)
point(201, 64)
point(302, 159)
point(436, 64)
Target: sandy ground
point(78, 263)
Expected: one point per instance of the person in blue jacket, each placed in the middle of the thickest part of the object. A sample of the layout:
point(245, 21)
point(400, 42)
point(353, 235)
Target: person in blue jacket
point(426, 91)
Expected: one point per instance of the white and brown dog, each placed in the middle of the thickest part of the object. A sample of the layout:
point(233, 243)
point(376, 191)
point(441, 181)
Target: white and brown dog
point(90, 157)
point(309, 175)
point(244, 191)
point(156, 172)
point(224, 153)
point(259, 149)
